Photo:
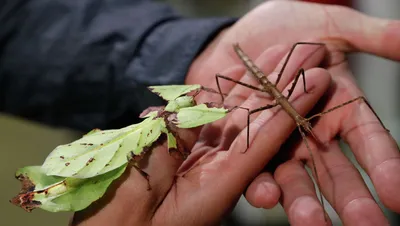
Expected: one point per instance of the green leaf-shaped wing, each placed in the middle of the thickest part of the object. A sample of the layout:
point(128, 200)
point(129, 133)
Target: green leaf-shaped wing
point(56, 194)
point(198, 115)
point(171, 92)
point(102, 151)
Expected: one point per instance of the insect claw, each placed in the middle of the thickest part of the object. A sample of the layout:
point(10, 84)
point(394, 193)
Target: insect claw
point(312, 134)
point(247, 147)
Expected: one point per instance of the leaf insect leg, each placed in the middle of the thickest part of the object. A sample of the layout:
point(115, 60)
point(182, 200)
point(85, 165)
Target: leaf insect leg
point(134, 159)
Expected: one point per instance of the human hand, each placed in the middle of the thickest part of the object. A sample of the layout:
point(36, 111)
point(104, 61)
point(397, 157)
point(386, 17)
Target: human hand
point(344, 30)
point(208, 184)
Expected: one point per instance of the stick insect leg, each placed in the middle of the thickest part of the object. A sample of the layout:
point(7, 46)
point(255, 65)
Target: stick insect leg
point(218, 76)
point(290, 54)
point(248, 119)
point(248, 122)
point(346, 103)
point(314, 168)
point(300, 72)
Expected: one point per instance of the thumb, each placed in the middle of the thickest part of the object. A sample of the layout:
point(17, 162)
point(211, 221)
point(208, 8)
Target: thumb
point(363, 33)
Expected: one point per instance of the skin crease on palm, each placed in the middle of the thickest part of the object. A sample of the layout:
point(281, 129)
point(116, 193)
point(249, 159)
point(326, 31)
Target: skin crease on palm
point(214, 176)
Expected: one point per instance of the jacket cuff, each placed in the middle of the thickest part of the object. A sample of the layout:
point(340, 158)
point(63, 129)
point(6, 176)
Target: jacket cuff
point(168, 51)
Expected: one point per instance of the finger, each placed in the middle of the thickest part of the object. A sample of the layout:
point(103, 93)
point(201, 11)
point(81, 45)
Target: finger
point(345, 189)
point(374, 148)
point(351, 30)
point(263, 192)
point(364, 33)
point(378, 154)
point(265, 135)
point(339, 179)
point(266, 61)
point(264, 132)
point(304, 56)
point(298, 194)
point(266, 201)
point(341, 183)
point(265, 116)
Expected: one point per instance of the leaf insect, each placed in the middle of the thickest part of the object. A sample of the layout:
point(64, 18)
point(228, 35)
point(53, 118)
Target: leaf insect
point(303, 124)
point(101, 151)
point(76, 174)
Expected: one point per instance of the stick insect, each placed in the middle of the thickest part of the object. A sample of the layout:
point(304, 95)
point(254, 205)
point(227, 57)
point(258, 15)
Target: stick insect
point(303, 124)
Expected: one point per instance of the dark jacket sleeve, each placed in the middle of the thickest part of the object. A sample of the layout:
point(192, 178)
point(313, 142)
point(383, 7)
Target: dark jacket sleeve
point(86, 64)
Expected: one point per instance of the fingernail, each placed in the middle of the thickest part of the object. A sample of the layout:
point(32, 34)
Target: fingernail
point(364, 211)
point(262, 189)
point(267, 194)
point(306, 210)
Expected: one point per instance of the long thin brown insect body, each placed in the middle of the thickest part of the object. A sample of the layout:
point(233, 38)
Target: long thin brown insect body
point(271, 89)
